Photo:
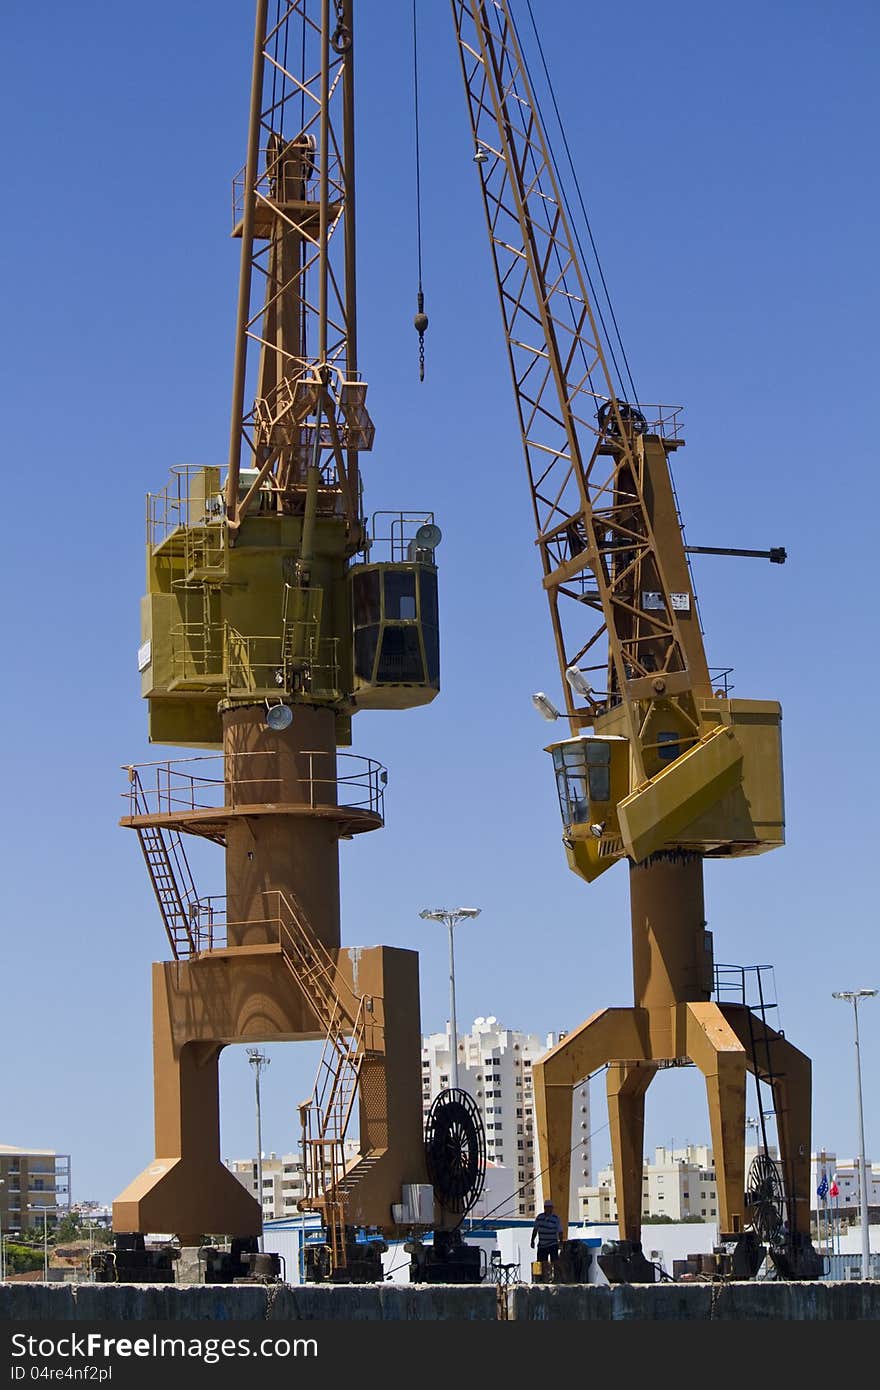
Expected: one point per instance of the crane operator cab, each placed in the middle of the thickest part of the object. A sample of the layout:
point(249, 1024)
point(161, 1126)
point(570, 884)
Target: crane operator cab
point(396, 626)
point(592, 776)
point(719, 795)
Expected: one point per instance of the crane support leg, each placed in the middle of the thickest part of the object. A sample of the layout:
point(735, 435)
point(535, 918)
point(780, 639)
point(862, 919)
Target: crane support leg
point(608, 1035)
point(789, 1074)
point(715, 1048)
point(626, 1084)
point(243, 994)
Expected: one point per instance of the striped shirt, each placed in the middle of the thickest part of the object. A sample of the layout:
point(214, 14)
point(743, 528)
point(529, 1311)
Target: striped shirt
point(548, 1228)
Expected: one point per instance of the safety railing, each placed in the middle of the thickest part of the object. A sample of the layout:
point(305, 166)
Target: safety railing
point(256, 664)
point(720, 678)
point(751, 985)
point(392, 535)
point(267, 189)
point(665, 420)
point(289, 411)
point(252, 663)
point(214, 781)
point(180, 504)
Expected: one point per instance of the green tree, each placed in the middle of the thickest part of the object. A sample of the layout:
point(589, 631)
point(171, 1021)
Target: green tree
point(20, 1257)
point(68, 1228)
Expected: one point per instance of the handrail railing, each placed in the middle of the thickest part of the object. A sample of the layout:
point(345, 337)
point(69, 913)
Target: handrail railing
point(222, 781)
point(309, 958)
point(750, 985)
point(392, 535)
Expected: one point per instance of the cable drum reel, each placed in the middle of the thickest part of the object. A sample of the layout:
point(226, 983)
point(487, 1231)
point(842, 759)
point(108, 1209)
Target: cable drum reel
point(630, 417)
point(765, 1198)
point(455, 1151)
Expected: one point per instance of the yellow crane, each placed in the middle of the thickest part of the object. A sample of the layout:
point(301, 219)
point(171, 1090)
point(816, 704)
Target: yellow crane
point(662, 769)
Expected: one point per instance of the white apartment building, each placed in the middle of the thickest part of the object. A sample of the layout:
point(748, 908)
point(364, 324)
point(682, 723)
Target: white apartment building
point(495, 1068)
point(283, 1179)
point(680, 1184)
point(846, 1173)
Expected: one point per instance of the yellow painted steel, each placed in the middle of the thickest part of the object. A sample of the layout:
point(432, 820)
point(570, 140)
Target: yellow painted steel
point(223, 624)
point(723, 796)
point(653, 815)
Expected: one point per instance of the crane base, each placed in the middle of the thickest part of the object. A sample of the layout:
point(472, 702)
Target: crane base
point(624, 1262)
point(797, 1259)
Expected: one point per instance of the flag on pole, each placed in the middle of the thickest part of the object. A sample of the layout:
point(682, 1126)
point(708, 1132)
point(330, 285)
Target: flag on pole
point(822, 1189)
point(834, 1190)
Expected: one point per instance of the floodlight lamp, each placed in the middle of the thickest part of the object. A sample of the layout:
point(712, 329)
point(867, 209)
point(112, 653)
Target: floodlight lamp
point(480, 155)
point(545, 707)
point(429, 536)
point(578, 682)
point(598, 829)
point(279, 717)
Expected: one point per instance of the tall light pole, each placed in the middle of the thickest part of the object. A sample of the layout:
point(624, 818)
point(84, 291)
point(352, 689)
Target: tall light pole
point(451, 917)
point(258, 1060)
point(2, 1247)
point(854, 995)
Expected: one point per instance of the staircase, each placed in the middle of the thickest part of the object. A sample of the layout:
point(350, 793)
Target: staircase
point(170, 876)
point(346, 1018)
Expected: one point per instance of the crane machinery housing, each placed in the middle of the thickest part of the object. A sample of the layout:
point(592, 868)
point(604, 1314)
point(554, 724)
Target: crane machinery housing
point(274, 612)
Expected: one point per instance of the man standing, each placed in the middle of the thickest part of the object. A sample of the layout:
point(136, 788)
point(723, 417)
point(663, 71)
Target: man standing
point(547, 1230)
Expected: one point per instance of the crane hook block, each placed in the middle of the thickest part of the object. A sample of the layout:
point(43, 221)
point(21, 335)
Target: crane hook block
point(420, 323)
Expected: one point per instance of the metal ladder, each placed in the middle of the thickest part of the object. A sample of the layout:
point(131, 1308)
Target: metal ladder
point(764, 1070)
point(170, 876)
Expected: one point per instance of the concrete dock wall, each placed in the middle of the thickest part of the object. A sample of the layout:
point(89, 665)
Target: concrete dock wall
point(818, 1301)
point(257, 1302)
point(803, 1302)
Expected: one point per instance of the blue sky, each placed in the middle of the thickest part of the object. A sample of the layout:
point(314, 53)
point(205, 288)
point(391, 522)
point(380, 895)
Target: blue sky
point(727, 159)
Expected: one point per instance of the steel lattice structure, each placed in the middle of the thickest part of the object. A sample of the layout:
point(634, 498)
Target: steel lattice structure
point(296, 314)
point(598, 550)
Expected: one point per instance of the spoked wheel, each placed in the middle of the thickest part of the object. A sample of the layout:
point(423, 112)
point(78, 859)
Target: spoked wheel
point(455, 1151)
point(765, 1198)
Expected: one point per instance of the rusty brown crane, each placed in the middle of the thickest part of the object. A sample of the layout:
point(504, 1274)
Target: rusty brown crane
point(274, 613)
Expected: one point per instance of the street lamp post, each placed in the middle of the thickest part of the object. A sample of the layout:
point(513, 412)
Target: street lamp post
point(854, 995)
point(451, 917)
point(258, 1061)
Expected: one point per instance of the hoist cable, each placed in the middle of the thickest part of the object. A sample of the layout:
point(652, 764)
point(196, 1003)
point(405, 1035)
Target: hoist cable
point(577, 188)
point(420, 321)
point(415, 48)
point(302, 89)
